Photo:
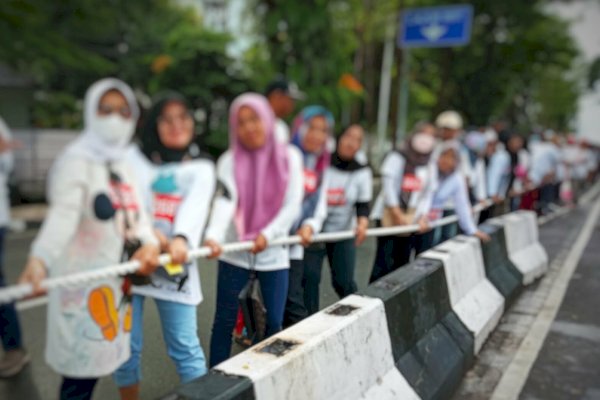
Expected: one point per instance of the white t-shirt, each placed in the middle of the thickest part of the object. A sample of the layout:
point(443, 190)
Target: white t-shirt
point(88, 328)
point(344, 190)
point(417, 187)
point(177, 197)
point(282, 131)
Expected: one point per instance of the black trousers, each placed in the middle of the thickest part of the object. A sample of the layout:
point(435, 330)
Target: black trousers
point(77, 388)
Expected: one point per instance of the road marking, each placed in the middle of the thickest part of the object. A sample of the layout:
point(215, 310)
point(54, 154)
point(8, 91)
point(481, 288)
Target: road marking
point(580, 331)
point(512, 382)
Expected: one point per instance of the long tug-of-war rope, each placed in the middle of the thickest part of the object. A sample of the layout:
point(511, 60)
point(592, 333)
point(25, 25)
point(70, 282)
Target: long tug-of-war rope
point(22, 291)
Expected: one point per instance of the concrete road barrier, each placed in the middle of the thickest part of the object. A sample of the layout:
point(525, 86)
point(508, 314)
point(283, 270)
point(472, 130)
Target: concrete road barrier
point(475, 300)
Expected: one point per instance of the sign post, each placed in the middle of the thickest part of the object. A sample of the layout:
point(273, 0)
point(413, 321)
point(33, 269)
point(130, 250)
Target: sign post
point(445, 26)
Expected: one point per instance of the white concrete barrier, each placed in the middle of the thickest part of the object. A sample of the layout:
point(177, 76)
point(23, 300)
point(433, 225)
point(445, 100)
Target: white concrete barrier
point(522, 243)
point(474, 299)
point(327, 356)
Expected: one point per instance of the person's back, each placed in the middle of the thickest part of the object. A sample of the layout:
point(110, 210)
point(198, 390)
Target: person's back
point(544, 159)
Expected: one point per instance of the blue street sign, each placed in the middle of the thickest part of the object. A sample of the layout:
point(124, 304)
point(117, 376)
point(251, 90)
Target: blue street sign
point(444, 26)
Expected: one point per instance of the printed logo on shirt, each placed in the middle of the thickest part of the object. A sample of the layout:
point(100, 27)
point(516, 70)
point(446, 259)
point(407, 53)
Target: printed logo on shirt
point(336, 197)
point(411, 183)
point(165, 206)
point(311, 181)
point(122, 196)
point(103, 310)
point(166, 202)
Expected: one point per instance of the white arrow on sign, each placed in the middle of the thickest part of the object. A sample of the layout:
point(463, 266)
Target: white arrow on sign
point(434, 31)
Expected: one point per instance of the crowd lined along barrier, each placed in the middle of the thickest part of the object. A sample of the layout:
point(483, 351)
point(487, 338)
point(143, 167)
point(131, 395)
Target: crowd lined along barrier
point(412, 334)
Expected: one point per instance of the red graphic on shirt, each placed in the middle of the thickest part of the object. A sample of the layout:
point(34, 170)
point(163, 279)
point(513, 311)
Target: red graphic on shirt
point(165, 206)
point(122, 196)
point(411, 183)
point(336, 197)
point(311, 181)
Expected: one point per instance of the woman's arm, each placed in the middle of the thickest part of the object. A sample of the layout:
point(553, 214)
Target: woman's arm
point(66, 193)
point(292, 203)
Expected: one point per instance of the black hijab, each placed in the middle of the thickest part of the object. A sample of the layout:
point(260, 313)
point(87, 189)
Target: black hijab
point(150, 143)
point(339, 163)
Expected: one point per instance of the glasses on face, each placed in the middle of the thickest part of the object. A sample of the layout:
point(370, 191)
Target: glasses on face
point(106, 109)
point(173, 119)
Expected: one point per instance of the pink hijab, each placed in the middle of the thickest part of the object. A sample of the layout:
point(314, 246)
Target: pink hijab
point(261, 176)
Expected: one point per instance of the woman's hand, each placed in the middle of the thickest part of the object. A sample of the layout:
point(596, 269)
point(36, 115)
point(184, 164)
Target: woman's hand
point(147, 255)
point(215, 248)
point(361, 230)
point(484, 237)
point(398, 216)
point(178, 249)
point(305, 232)
point(260, 243)
point(34, 273)
point(423, 225)
point(163, 242)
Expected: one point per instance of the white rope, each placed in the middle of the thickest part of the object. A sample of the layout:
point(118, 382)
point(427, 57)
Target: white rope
point(20, 291)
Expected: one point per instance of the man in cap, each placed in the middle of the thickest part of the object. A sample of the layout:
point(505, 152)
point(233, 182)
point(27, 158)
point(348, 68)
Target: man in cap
point(449, 124)
point(282, 96)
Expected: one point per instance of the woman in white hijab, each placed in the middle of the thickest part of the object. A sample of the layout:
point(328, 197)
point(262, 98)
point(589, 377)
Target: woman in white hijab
point(95, 219)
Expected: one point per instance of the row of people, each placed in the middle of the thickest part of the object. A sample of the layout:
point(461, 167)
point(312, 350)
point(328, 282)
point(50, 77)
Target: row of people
point(110, 201)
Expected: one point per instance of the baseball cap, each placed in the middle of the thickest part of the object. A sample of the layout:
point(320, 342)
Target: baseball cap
point(449, 119)
point(290, 88)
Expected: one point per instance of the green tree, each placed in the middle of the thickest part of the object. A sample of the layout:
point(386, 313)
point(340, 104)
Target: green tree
point(151, 44)
point(498, 75)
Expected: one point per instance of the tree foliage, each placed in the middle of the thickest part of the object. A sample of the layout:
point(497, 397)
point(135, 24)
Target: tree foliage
point(498, 75)
point(154, 45)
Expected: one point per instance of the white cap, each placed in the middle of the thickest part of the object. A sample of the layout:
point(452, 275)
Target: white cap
point(490, 136)
point(449, 119)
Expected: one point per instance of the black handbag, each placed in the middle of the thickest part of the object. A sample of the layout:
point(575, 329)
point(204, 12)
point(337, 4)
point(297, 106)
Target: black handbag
point(253, 307)
point(130, 246)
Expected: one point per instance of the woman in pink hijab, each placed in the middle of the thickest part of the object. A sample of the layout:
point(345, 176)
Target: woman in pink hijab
point(260, 198)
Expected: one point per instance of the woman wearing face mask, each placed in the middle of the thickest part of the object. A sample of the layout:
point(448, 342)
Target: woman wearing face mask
point(451, 185)
point(312, 129)
point(349, 192)
point(95, 219)
point(260, 198)
point(405, 199)
point(178, 184)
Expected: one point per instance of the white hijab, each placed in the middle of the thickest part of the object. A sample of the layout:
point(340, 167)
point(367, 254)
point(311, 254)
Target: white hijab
point(92, 145)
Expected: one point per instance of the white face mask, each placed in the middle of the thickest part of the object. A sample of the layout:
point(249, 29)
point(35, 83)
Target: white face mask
point(113, 129)
point(423, 143)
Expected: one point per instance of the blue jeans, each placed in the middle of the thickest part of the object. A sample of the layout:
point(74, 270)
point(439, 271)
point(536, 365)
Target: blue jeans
point(179, 328)
point(10, 329)
point(446, 232)
point(342, 263)
point(230, 282)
